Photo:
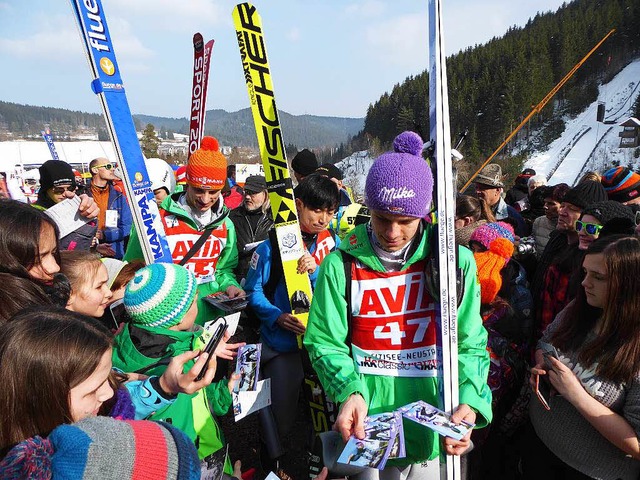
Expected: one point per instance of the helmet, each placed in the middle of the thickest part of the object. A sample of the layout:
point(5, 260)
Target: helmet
point(160, 174)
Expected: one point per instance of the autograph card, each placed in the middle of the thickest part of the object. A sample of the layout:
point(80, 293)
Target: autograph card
point(228, 305)
point(374, 450)
point(248, 367)
point(435, 419)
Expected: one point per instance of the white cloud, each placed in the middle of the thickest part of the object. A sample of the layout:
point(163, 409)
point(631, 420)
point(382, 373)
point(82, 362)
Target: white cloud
point(5, 7)
point(57, 45)
point(294, 34)
point(400, 41)
point(57, 40)
point(368, 9)
point(171, 15)
point(125, 43)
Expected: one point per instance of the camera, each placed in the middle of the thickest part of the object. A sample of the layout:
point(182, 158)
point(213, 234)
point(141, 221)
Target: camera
point(526, 247)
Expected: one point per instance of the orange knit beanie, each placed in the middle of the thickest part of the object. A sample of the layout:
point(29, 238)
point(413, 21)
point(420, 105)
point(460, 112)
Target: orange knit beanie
point(490, 263)
point(207, 167)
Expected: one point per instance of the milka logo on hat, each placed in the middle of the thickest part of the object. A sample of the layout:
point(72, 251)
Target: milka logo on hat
point(389, 194)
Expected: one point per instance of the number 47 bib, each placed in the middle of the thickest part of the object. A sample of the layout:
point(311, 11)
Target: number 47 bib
point(393, 328)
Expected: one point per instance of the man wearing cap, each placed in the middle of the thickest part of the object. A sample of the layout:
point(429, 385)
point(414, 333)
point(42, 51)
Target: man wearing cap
point(199, 213)
point(372, 329)
point(489, 187)
point(551, 287)
point(57, 183)
point(304, 164)
point(622, 185)
point(252, 220)
point(114, 221)
point(520, 187)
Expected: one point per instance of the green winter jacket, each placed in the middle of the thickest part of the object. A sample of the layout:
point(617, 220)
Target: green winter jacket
point(326, 335)
point(193, 414)
point(181, 233)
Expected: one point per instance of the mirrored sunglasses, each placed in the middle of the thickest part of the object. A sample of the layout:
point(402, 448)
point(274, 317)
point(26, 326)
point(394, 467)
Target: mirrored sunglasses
point(61, 190)
point(589, 228)
point(107, 166)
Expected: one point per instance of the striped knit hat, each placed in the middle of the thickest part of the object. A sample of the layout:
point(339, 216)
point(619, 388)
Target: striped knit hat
point(160, 295)
point(621, 184)
point(487, 233)
point(103, 448)
point(207, 167)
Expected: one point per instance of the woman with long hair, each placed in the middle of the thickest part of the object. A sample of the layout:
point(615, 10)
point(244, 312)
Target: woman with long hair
point(471, 212)
point(590, 374)
point(29, 248)
point(54, 369)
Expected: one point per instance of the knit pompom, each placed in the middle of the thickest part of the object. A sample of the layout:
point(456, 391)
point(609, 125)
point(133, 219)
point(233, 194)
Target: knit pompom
point(209, 143)
point(408, 142)
point(502, 247)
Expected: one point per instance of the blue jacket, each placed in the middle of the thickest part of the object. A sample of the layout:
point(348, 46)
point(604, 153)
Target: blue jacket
point(116, 235)
point(276, 337)
point(502, 210)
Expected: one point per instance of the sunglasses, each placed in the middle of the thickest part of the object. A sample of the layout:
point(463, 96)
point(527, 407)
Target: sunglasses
point(106, 166)
point(590, 228)
point(61, 190)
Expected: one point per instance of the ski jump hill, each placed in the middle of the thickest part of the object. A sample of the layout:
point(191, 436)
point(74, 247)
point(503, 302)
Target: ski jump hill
point(587, 144)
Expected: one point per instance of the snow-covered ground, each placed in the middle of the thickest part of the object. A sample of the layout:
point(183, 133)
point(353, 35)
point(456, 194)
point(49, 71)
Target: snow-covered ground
point(354, 171)
point(587, 144)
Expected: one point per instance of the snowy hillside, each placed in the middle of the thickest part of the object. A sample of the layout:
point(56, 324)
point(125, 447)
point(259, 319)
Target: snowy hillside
point(587, 144)
point(354, 170)
point(584, 145)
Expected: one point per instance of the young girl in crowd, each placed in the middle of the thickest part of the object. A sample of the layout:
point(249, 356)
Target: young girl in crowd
point(29, 248)
point(55, 368)
point(591, 429)
point(88, 277)
point(471, 212)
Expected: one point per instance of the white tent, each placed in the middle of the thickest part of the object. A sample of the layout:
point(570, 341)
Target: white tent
point(25, 154)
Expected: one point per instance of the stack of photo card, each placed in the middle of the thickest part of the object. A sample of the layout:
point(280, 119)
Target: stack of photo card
point(395, 419)
point(228, 305)
point(437, 420)
point(380, 437)
point(248, 366)
point(249, 394)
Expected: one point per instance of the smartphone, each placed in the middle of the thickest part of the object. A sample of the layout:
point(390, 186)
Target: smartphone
point(543, 392)
point(115, 315)
point(212, 345)
point(548, 350)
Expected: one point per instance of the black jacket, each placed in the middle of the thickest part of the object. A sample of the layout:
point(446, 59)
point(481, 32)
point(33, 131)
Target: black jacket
point(251, 227)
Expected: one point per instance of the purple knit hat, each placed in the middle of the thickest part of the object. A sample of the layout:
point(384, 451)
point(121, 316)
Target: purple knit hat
point(400, 182)
point(487, 233)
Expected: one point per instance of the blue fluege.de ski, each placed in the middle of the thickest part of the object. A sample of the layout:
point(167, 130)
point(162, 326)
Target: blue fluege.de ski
point(107, 84)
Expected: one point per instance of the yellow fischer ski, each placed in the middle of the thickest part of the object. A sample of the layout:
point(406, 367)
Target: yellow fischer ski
point(257, 74)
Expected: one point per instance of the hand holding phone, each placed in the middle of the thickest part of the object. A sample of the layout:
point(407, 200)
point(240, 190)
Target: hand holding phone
point(210, 349)
point(548, 350)
point(542, 395)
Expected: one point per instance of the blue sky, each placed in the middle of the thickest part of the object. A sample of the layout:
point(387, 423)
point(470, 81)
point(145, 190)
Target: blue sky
point(328, 57)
